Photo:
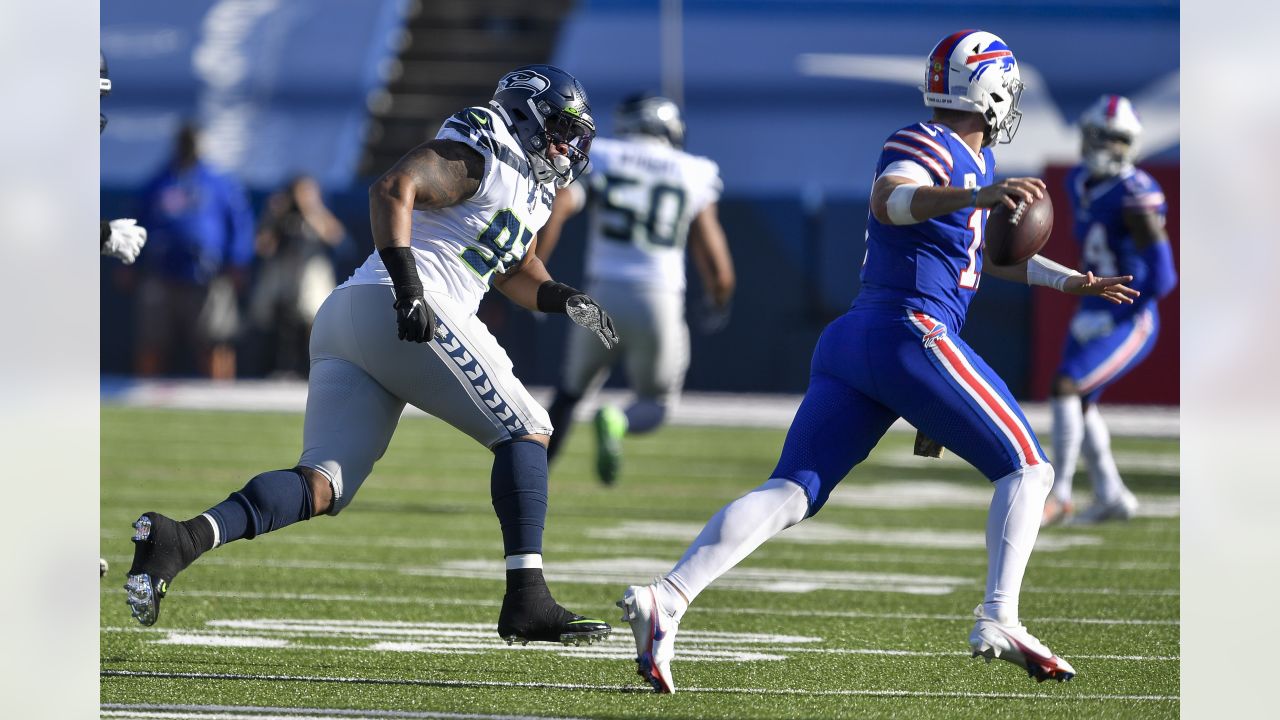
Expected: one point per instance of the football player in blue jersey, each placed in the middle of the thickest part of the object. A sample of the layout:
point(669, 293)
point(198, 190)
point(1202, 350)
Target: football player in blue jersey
point(897, 353)
point(1119, 221)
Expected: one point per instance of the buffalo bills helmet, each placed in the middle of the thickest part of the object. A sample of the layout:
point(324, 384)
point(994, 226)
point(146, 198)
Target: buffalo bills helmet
point(974, 71)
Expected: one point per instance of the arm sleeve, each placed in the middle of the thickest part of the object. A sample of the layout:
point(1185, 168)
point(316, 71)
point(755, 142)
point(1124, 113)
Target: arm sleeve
point(1161, 277)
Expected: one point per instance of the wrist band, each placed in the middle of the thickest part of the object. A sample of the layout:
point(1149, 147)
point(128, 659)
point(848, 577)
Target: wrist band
point(403, 270)
point(899, 204)
point(1043, 271)
point(552, 296)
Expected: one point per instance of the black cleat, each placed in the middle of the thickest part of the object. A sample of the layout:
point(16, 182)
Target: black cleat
point(531, 615)
point(161, 549)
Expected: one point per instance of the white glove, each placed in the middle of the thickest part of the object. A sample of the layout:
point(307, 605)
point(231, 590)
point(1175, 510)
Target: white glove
point(1087, 326)
point(126, 241)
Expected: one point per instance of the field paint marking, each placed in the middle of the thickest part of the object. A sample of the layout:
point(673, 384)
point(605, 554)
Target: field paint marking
point(817, 532)
point(954, 653)
point(621, 571)
point(232, 712)
point(918, 494)
point(632, 688)
point(1156, 463)
point(416, 600)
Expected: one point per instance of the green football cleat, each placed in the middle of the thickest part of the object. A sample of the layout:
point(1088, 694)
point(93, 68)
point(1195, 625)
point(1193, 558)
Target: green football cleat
point(611, 426)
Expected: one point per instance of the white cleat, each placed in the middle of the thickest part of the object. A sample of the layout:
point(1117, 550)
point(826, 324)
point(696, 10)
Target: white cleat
point(1122, 508)
point(1012, 643)
point(655, 633)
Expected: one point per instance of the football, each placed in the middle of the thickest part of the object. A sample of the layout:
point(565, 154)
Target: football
point(1013, 236)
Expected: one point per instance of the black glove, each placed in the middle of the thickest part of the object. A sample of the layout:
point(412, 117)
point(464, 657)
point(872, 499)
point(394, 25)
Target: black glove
point(415, 319)
point(585, 312)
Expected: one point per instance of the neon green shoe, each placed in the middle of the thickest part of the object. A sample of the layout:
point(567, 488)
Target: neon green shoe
point(611, 425)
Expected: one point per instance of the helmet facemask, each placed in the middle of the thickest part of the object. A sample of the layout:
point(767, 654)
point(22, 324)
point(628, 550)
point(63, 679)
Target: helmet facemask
point(1105, 152)
point(1001, 129)
point(572, 133)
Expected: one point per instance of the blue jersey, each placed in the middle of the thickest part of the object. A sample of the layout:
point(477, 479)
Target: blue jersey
point(933, 266)
point(1106, 247)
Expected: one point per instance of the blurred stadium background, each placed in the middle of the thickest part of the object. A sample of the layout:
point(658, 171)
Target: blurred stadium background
point(791, 98)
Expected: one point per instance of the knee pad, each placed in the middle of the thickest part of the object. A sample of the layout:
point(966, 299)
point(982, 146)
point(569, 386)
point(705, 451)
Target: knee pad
point(1035, 478)
point(274, 500)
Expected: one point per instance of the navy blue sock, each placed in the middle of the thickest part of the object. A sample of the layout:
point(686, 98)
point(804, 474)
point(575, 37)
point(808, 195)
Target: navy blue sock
point(518, 486)
point(268, 502)
point(561, 413)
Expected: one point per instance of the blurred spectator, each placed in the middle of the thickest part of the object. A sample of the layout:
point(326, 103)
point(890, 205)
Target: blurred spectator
point(295, 274)
point(200, 244)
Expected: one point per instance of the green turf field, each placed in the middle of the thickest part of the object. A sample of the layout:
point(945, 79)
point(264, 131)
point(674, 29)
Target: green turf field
point(862, 611)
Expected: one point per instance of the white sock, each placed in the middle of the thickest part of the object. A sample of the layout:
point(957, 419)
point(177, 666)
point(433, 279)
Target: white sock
point(732, 534)
point(1012, 526)
point(1068, 431)
point(1107, 485)
point(524, 562)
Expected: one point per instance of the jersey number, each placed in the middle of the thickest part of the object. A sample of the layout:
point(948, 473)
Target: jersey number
point(631, 216)
point(500, 247)
point(1097, 253)
point(970, 276)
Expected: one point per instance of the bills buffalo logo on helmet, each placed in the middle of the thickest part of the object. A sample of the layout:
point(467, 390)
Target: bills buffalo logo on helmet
point(524, 79)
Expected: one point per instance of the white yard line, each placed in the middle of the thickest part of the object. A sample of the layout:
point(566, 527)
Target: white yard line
point(255, 712)
point(638, 689)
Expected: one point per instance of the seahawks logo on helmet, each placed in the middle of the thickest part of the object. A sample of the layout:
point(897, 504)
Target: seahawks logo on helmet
point(525, 79)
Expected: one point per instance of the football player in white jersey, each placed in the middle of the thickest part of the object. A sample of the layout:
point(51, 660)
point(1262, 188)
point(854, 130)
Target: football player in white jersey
point(454, 217)
point(647, 198)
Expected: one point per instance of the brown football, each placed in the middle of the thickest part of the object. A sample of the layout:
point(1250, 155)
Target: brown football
point(1013, 236)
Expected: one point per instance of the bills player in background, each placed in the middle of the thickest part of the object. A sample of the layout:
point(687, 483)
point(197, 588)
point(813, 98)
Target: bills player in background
point(451, 219)
point(122, 238)
point(1119, 214)
point(647, 199)
point(897, 352)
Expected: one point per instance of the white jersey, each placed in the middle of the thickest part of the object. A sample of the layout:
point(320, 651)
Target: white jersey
point(644, 195)
point(459, 248)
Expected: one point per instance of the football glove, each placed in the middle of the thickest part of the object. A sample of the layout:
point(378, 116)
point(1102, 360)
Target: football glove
point(124, 240)
point(585, 312)
point(415, 319)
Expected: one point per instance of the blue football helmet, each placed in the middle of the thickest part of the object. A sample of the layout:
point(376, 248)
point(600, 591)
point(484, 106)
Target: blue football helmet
point(650, 115)
point(544, 105)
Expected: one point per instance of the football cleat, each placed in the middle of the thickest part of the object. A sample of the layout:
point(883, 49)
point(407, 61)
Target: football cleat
point(161, 550)
point(532, 615)
point(611, 425)
point(1057, 511)
point(1122, 508)
point(655, 634)
point(1012, 643)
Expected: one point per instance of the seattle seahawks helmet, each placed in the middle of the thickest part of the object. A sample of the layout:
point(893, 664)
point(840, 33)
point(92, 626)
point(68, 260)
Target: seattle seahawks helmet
point(544, 105)
point(974, 71)
point(1109, 132)
point(104, 89)
point(652, 116)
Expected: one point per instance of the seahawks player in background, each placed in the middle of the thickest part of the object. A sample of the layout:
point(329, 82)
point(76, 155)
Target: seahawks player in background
point(1119, 215)
point(897, 352)
point(122, 238)
point(647, 197)
point(451, 219)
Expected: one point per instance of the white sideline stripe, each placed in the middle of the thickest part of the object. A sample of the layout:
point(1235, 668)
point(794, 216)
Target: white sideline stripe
point(694, 409)
point(414, 600)
point(953, 653)
point(633, 688)
point(218, 712)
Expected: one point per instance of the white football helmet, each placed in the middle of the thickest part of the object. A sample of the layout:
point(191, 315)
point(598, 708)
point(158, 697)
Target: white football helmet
point(974, 71)
point(1109, 132)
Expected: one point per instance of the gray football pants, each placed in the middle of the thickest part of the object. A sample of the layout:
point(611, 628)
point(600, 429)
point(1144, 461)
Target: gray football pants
point(362, 375)
point(654, 343)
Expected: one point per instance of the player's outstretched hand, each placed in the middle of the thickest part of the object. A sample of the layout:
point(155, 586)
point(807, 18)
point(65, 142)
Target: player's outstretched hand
point(584, 311)
point(415, 319)
point(1011, 191)
point(1111, 289)
point(126, 240)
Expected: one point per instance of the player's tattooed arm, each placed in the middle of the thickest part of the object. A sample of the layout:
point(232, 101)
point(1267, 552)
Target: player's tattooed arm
point(436, 174)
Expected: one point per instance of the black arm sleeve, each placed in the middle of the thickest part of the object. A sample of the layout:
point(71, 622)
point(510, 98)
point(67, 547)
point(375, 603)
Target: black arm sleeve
point(403, 271)
point(552, 296)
